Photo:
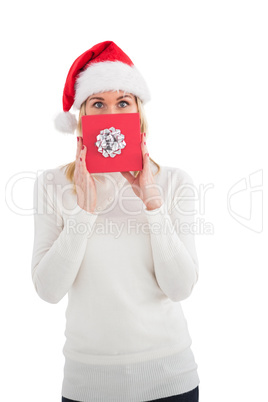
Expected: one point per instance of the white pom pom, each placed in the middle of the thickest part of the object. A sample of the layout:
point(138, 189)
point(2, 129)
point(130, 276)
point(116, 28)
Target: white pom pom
point(66, 122)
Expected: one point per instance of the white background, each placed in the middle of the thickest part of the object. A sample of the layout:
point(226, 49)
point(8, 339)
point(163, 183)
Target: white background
point(206, 65)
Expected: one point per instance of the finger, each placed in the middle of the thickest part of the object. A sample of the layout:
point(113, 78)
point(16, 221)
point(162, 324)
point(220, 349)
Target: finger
point(146, 165)
point(144, 148)
point(82, 158)
point(130, 178)
point(79, 146)
point(143, 144)
point(145, 154)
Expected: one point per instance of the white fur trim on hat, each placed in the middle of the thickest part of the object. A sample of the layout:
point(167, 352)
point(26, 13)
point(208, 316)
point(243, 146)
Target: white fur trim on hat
point(108, 76)
point(66, 122)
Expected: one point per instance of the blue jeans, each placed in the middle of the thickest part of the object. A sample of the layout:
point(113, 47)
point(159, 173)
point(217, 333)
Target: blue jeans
point(191, 396)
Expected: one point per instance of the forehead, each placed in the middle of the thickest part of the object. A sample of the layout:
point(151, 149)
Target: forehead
point(112, 94)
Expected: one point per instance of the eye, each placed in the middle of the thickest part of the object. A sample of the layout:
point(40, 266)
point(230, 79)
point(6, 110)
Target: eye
point(96, 103)
point(124, 102)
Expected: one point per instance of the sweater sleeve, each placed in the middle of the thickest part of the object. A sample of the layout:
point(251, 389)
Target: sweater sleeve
point(59, 242)
point(173, 244)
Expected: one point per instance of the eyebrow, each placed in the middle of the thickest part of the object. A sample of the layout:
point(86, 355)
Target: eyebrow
point(120, 97)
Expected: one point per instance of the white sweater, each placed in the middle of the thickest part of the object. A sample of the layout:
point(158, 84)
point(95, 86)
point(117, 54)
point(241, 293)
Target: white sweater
point(125, 270)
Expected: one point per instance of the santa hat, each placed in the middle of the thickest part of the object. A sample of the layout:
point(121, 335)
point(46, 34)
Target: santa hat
point(104, 67)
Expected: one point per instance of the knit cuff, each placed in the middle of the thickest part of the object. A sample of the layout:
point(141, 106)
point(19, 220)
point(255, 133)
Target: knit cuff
point(78, 227)
point(81, 215)
point(164, 237)
point(161, 210)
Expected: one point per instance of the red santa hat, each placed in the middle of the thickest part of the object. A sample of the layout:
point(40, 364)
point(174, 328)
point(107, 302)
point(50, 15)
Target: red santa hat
point(104, 67)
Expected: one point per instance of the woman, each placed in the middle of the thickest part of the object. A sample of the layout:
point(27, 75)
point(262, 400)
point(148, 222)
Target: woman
point(112, 242)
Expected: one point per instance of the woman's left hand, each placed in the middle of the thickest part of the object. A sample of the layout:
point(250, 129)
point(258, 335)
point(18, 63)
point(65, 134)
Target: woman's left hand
point(144, 185)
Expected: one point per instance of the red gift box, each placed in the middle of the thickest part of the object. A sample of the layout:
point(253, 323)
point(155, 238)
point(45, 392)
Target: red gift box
point(104, 132)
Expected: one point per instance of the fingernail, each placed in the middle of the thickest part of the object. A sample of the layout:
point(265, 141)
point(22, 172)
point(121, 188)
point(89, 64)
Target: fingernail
point(145, 134)
point(80, 159)
point(148, 155)
point(144, 143)
point(83, 146)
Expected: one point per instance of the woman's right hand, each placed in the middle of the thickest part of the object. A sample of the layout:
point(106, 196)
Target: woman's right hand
point(85, 184)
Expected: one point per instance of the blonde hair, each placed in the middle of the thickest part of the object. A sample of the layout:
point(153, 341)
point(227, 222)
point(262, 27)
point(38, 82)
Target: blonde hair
point(69, 171)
